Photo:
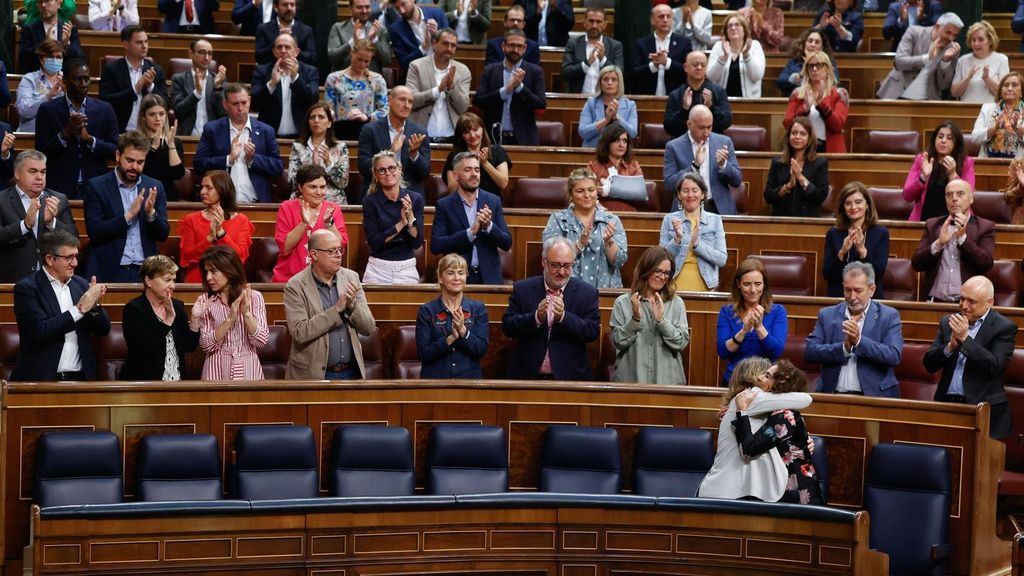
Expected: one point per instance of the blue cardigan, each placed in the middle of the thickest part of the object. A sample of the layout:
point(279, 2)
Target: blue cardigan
point(775, 321)
point(593, 112)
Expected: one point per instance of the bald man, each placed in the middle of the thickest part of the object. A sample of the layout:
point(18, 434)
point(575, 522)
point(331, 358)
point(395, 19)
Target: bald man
point(402, 136)
point(707, 153)
point(656, 60)
point(972, 349)
point(282, 90)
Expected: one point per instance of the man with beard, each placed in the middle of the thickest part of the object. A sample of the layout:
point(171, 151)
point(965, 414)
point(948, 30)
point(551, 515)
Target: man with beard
point(360, 27)
point(126, 81)
point(858, 342)
point(552, 317)
point(412, 33)
point(510, 92)
point(125, 214)
point(515, 17)
point(440, 88)
point(285, 23)
point(49, 25)
point(471, 223)
point(586, 55)
point(696, 90)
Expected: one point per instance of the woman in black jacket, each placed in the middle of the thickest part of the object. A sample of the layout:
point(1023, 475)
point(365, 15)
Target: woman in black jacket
point(798, 180)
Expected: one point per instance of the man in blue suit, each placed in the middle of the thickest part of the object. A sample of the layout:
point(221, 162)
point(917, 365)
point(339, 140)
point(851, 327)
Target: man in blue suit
point(412, 34)
point(548, 25)
point(511, 92)
point(515, 17)
point(709, 154)
point(472, 224)
point(285, 23)
point(269, 84)
point(244, 147)
point(58, 313)
point(903, 14)
point(49, 25)
point(250, 14)
point(552, 317)
point(397, 133)
point(188, 16)
point(656, 61)
point(125, 214)
point(76, 133)
point(858, 342)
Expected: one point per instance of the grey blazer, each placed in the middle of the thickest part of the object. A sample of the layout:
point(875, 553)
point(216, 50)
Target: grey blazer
point(576, 54)
point(339, 53)
point(910, 62)
point(420, 80)
point(183, 86)
point(479, 22)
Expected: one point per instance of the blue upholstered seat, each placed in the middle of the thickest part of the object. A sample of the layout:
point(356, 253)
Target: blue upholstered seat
point(175, 467)
point(820, 461)
point(671, 461)
point(78, 468)
point(581, 460)
point(372, 461)
point(273, 462)
point(467, 459)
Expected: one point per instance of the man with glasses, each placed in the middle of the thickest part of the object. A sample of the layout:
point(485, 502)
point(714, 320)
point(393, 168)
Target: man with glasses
point(58, 313)
point(510, 93)
point(395, 132)
point(49, 25)
point(361, 27)
point(197, 92)
point(925, 61)
point(514, 18)
point(327, 312)
point(552, 317)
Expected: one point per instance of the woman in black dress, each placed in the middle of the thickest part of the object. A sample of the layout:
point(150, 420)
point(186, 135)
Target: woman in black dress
point(164, 160)
point(471, 136)
point(798, 180)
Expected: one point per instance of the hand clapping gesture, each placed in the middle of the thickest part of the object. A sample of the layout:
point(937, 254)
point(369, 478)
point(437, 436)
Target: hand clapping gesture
point(958, 327)
point(634, 303)
point(459, 323)
point(92, 296)
point(608, 233)
point(657, 307)
point(346, 297)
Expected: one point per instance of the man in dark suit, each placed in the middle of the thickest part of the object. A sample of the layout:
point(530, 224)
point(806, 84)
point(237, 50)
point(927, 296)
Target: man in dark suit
point(972, 349)
point(188, 16)
point(709, 154)
point(400, 135)
point(361, 27)
point(697, 89)
point(552, 318)
point(76, 133)
point(412, 33)
point(515, 17)
point(197, 92)
point(125, 214)
point(58, 313)
point(250, 14)
point(125, 82)
point(858, 342)
point(49, 25)
point(284, 89)
point(586, 55)
point(903, 14)
point(511, 92)
point(27, 211)
point(954, 247)
point(244, 147)
point(285, 23)
point(477, 241)
point(548, 21)
point(656, 61)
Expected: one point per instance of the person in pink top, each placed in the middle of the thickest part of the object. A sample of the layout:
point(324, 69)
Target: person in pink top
point(232, 319)
point(298, 218)
point(945, 160)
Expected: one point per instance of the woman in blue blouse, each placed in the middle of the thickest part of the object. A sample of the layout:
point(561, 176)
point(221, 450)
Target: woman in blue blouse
point(596, 233)
point(608, 106)
point(751, 325)
point(393, 224)
point(451, 330)
point(856, 237)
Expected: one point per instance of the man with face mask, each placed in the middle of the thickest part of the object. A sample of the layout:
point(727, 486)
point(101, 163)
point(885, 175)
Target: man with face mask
point(361, 27)
point(49, 25)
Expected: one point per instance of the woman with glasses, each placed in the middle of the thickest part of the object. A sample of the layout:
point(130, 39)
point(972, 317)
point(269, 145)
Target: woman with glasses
point(649, 328)
point(452, 331)
point(218, 223)
point(822, 102)
point(737, 60)
point(694, 237)
point(393, 224)
point(596, 233)
point(298, 218)
point(751, 325)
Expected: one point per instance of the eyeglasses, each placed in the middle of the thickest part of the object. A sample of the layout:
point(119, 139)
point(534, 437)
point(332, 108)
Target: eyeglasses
point(69, 258)
point(333, 252)
point(661, 273)
point(516, 47)
point(387, 169)
point(814, 65)
point(556, 266)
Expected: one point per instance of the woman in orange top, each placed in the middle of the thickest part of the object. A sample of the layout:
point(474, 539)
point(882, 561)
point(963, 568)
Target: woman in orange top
point(219, 223)
point(614, 157)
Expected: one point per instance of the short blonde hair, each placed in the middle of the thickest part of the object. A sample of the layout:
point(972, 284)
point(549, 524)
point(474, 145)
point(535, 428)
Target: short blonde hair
point(575, 177)
point(158, 265)
point(449, 261)
point(611, 69)
point(988, 30)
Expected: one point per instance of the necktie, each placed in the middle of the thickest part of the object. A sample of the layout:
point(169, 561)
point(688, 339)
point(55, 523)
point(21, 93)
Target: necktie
point(189, 11)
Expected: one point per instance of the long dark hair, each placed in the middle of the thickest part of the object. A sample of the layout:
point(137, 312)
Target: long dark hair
point(810, 149)
point(610, 134)
point(225, 188)
point(329, 139)
point(227, 261)
point(958, 149)
point(797, 50)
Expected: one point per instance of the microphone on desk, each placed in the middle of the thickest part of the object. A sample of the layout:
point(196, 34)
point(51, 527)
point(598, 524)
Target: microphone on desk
point(496, 132)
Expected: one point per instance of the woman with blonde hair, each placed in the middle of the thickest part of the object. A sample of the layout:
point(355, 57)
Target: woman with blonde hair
point(609, 106)
point(452, 331)
point(737, 60)
point(393, 224)
point(978, 73)
point(822, 102)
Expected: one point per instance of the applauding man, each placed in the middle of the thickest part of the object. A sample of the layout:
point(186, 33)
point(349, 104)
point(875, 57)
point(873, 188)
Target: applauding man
point(397, 133)
point(284, 89)
point(197, 92)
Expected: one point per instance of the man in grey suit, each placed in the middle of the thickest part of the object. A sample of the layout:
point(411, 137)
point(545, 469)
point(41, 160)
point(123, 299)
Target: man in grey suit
point(707, 153)
point(197, 92)
point(440, 88)
point(586, 55)
point(344, 34)
point(925, 61)
point(27, 210)
point(471, 19)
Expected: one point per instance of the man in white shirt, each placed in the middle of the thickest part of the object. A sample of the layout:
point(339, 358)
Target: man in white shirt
point(586, 55)
point(440, 88)
point(925, 61)
point(197, 92)
point(344, 34)
point(656, 61)
point(284, 89)
point(112, 15)
point(126, 81)
point(471, 19)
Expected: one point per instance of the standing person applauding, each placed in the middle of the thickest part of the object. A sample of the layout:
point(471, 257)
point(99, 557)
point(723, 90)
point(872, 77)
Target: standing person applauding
point(798, 181)
point(452, 331)
point(298, 218)
point(751, 325)
point(856, 237)
point(393, 224)
point(694, 237)
point(218, 223)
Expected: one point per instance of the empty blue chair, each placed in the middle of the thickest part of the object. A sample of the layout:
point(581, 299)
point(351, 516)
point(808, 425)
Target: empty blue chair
point(820, 461)
point(275, 462)
point(671, 461)
point(467, 459)
point(78, 468)
point(581, 460)
point(372, 461)
point(179, 467)
point(907, 494)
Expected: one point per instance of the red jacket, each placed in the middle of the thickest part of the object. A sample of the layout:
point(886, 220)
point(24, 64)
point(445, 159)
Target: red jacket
point(833, 109)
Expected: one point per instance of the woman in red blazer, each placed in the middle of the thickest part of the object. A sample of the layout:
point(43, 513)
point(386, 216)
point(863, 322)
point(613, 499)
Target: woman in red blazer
point(822, 102)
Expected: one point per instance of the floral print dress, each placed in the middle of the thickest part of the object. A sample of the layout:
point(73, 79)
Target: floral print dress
point(784, 430)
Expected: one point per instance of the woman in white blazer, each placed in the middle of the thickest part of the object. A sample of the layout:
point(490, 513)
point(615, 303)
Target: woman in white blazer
point(737, 60)
point(608, 106)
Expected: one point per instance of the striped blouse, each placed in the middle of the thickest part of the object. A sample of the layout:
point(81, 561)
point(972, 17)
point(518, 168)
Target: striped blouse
point(235, 357)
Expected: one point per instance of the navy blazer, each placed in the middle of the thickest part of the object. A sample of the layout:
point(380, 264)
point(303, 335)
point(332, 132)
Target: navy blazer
point(267, 33)
point(679, 160)
point(75, 156)
point(853, 21)
point(450, 234)
point(676, 116)
point(892, 28)
point(116, 88)
point(557, 25)
point(5, 90)
point(462, 358)
point(107, 228)
point(525, 103)
point(215, 146)
point(6, 166)
point(33, 34)
point(878, 353)
point(494, 53)
point(171, 9)
point(305, 91)
point(407, 48)
point(42, 326)
point(876, 241)
point(567, 343)
point(642, 80)
point(375, 136)
point(19, 256)
point(249, 17)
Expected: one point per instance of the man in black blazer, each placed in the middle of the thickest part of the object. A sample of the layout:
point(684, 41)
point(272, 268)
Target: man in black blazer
point(410, 142)
point(552, 319)
point(77, 134)
point(250, 14)
point(510, 93)
point(515, 17)
point(52, 304)
point(696, 90)
point(188, 16)
point(285, 22)
point(972, 349)
point(198, 98)
point(656, 61)
point(586, 55)
point(284, 89)
point(27, 211)
point(557, 17)
point(125, 82)
point(49, 25)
